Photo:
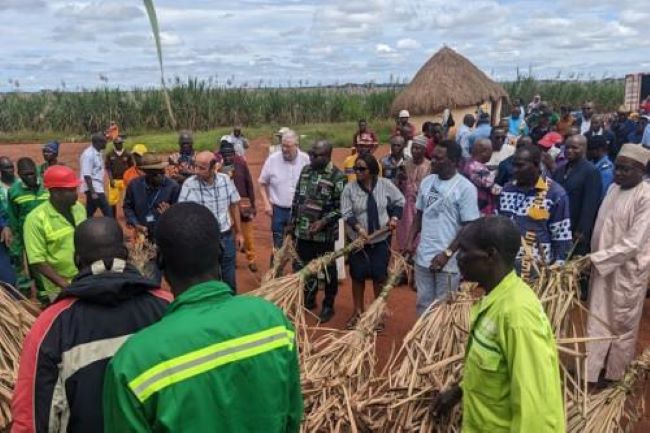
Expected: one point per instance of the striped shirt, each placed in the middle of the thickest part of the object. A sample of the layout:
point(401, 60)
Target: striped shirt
point(217, 197)
point(354, 205)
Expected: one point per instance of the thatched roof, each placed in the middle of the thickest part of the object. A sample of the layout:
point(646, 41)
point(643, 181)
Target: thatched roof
point(447, 80)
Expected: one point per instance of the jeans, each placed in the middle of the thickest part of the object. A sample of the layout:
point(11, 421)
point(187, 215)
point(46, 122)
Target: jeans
point(279, 221)
point(228, 260)
point(432, 286)
point(101, 203)
point(308, 251)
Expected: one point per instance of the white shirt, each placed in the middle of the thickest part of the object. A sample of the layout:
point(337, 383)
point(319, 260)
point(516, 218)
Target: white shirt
point(92, 164)
point(507, 150)
point(240, 144)
point(281, 177)
point(585, 126)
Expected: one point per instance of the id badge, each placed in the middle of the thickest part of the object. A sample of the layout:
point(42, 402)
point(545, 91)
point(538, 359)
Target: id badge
point(150, 218)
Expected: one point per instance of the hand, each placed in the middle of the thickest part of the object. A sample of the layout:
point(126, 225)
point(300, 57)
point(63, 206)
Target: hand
point(316, 227)
point(239, 241)
point(392, 223)
point(141, 229)
point(408, 252)
point(112, 183)
point(362, 232)
point(438, 262)
point(268, 209)
point(6, 236)
point(163, 207)
point(444, 402)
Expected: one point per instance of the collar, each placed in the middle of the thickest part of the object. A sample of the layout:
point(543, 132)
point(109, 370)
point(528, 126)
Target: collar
point(499, 291)
point(540, 185)
point(604, 160)
point(99, 267)
point(118, 153)
point(207, 292)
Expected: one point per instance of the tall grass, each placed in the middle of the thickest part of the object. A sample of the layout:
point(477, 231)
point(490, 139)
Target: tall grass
point(606, 93)
point(196, 104)
point(202, 105)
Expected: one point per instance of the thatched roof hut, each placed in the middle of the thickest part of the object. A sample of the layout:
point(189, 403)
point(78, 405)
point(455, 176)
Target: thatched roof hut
point(448, 80)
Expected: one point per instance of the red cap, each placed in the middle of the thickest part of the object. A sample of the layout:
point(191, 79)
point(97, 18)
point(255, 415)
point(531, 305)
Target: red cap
point(550, 140)
point(60, 176)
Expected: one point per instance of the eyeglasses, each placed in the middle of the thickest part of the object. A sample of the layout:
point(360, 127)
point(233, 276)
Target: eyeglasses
point(360, 169)
point(586, 108)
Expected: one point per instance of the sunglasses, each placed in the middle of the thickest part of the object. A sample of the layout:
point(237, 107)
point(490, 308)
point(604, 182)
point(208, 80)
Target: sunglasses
point(360, 169)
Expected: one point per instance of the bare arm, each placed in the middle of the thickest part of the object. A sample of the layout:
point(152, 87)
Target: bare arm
point(414, 232)
point(48, 272)
point(264, 192)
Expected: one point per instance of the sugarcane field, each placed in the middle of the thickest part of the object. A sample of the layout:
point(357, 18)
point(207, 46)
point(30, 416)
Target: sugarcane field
point(324, 217)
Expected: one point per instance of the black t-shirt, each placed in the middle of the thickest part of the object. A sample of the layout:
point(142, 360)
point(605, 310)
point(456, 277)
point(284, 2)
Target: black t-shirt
point(118, 164)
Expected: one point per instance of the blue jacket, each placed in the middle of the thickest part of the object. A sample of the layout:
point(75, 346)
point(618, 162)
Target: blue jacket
point(142, 200)
point(583, 185)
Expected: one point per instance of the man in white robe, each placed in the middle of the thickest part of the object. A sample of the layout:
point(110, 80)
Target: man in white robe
point(621, 266)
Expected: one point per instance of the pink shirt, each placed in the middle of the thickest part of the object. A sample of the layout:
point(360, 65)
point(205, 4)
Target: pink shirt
point(282, 176)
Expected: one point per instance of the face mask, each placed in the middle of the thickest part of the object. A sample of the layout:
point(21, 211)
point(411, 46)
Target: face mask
point(7, 178)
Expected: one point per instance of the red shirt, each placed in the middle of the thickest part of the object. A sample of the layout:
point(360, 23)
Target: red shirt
point(368, 136)
point(431, 145)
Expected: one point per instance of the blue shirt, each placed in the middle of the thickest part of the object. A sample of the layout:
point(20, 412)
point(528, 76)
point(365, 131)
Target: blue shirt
point(645, 141)
point(606, 169)
point(553, 238)
point(481, 131)
point(445, 206)
point(141, 201)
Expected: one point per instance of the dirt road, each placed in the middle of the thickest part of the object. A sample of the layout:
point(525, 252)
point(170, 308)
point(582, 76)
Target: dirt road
point(401, 302)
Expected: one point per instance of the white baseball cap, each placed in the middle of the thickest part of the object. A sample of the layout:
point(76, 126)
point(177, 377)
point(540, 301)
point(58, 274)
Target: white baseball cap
point(404, 113)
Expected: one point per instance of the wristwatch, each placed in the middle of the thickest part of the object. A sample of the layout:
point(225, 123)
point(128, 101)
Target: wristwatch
point(448, 253)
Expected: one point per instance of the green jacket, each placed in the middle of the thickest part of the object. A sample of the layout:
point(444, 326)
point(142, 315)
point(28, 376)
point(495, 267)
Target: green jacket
point(213, 363)
point(21, 200)
point(511, 379)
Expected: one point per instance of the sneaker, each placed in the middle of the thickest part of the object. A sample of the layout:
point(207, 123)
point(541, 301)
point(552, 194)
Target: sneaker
point(326, 314)
point(252, 267)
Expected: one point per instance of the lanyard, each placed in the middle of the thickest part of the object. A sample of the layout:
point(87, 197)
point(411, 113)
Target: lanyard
point(151, 203)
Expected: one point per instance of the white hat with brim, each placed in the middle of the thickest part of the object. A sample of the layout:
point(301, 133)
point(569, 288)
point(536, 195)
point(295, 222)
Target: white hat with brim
point(404, 113)
point(635, 152)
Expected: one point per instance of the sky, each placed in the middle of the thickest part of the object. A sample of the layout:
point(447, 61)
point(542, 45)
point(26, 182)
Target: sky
point(48, 44)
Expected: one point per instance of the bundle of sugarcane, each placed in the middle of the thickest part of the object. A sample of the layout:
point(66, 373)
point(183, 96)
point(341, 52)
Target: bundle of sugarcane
point(284, 255)
point(617, 408)
point(429, 361)
point(17, 315)
point(341, 369)
point(558, 288)
point(288, 292)
point(141, 253)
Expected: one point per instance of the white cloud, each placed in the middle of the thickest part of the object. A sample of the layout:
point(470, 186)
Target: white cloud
point(323, 41)
point(383, 49)
point(408, 44)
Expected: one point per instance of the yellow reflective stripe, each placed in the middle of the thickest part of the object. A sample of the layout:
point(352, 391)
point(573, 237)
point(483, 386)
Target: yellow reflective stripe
point(30, 197)
point(191, 364)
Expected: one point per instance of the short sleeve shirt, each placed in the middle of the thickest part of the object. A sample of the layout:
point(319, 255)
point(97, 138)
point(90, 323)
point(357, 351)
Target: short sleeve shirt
point(217, 197)
point(49, 238)
point(445, 206)
point(282, 177)
point(92, 164)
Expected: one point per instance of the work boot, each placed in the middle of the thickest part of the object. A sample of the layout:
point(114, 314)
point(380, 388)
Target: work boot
point(326, 314)
point(310, 300)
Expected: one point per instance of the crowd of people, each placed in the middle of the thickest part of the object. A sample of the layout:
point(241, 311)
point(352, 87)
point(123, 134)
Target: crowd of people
point(560, 185)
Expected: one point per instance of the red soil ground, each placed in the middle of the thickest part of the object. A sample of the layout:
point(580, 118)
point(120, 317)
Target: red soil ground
point(402, 299)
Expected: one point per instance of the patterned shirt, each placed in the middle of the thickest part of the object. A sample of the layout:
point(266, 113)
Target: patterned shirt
point(217, 197)
point(550, 222)
point(318, 196)
point(483, 179)
point(391, 168)
point(181, 166)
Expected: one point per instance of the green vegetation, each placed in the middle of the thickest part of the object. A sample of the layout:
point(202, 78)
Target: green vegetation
point(607, 94)
point(204, 106)
point(196, 104)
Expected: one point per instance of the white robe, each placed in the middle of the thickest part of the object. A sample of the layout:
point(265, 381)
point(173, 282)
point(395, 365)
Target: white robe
point(619, 278)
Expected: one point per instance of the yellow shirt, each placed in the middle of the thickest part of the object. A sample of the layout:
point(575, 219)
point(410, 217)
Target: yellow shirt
point(49, 238)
